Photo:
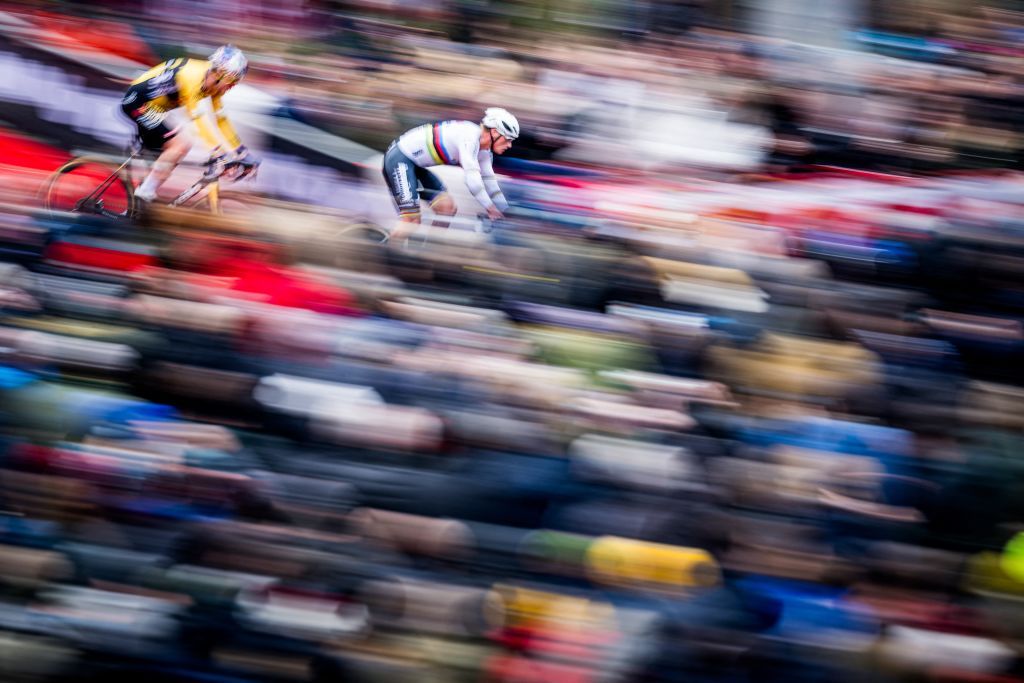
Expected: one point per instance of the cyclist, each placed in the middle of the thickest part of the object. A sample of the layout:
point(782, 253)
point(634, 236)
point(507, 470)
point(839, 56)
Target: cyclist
point(453, 143)
point(184, 83)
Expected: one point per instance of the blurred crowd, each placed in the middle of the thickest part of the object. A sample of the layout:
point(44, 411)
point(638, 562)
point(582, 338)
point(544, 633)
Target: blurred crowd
point(682, 416)
point(659, 90)
point(660, 85)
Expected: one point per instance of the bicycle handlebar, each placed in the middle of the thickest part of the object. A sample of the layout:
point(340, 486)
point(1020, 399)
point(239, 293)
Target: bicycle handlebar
point(217, 168)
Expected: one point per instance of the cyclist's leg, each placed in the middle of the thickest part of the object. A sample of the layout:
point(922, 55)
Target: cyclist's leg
point(157, 137)
point(400, 174)
point(436, 194)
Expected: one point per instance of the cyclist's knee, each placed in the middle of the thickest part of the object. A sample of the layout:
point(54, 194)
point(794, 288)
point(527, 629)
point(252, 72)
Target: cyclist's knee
point(176, 148)
point(443, 204)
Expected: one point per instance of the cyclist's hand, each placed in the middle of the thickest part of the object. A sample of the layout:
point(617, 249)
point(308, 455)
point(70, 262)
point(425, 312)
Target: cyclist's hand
point(248, 161)
point(494, 214)
point(215, 165)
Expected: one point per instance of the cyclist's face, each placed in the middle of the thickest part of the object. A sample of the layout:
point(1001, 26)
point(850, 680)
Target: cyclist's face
point(218, 84)
point(499, 143)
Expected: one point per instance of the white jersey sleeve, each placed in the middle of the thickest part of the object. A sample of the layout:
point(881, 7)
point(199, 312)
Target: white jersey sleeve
point(469, 152)
point(486, 161)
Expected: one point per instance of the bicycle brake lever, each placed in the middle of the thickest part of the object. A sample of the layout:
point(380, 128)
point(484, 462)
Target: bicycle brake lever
point(215, 167)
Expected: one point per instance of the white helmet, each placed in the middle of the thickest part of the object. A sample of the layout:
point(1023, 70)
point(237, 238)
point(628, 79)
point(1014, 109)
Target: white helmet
point(502, 121)
point(230, 61)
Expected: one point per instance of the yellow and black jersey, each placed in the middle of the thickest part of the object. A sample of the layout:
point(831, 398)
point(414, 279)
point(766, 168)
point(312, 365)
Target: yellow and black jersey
point(173, 84)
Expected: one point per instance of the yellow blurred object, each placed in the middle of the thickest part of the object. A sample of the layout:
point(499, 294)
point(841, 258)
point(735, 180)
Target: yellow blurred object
point(623, 561)
point(66, 326)
point(1012, 561)
point(527, 605)
point(986, 573)
point(794, 365)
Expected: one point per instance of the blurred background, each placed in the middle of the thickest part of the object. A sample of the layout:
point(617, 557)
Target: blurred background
point(735, 392)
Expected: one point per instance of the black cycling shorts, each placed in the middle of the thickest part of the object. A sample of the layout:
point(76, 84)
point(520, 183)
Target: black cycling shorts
point(408, 182)
point(152, 129)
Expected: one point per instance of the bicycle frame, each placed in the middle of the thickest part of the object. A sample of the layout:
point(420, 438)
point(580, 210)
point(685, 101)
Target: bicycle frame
point(206, 181)
point(122, 170)
point(195, 189)
point(92, 199)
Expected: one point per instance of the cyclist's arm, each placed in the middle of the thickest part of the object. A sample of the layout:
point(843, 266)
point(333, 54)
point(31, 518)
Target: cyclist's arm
point(191, 100)
point(190, 83)
point(474, 180)
point(491, 181)
point(226, 129)
point(204, 127)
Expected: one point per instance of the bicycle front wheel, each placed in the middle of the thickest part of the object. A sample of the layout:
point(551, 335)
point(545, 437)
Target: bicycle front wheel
point(363, 233)
point(87, 185)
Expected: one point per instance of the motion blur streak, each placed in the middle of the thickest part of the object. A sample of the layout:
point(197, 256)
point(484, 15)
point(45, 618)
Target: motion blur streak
point(733, 391)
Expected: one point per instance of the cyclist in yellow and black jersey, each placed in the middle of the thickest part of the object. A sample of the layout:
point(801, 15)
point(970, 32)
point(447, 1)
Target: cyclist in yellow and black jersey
point(184, 83)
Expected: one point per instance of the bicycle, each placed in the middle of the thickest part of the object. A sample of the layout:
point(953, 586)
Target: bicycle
point(112, 192)
point(421, 236)
point(430, 226)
